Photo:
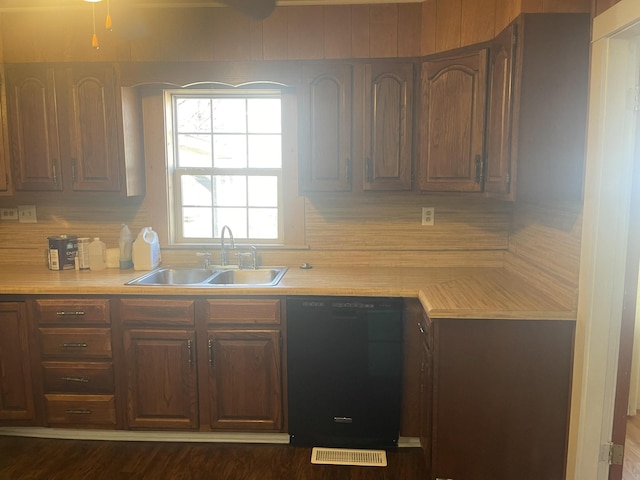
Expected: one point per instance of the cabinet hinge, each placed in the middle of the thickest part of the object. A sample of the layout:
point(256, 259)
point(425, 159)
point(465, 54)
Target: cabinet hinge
point(612, 453)
point(508, 179)
point(636, 98)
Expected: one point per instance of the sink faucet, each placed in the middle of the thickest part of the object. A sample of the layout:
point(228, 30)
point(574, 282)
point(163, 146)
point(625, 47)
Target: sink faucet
point(224, 260)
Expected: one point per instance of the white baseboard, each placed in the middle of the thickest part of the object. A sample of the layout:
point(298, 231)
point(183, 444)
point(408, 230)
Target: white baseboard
point(164, 436)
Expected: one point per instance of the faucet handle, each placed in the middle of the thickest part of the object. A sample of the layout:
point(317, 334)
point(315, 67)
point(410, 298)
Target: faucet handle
point(207, 258)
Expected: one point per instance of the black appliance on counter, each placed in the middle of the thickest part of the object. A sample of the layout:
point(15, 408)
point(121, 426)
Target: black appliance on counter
point(344, 371)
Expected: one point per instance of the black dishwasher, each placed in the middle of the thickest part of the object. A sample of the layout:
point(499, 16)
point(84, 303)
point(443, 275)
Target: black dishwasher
point(344, 371)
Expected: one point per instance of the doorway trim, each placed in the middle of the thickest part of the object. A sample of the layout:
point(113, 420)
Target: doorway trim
point(610, 151)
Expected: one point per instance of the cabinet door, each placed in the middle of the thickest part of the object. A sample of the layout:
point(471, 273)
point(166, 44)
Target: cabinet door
point(452, 127)
point(388, 132)
point(94, 156)
point(33, 128)
point(16, 392)
point(161, 377)
point(5, 184)
point(245, 379)
point(325, 136)
point(499, 113)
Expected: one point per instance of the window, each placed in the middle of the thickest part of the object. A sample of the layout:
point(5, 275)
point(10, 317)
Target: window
point(225, 165)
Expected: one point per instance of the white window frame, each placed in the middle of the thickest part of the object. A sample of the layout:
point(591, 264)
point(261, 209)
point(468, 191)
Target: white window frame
point(174, 172)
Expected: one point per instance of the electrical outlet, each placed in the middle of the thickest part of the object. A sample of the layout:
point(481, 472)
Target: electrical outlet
point(27, 214)
point(428, 216)
point(8, 214)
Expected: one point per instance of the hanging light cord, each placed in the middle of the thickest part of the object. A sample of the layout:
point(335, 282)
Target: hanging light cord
point(107, 24)
point(94, 39)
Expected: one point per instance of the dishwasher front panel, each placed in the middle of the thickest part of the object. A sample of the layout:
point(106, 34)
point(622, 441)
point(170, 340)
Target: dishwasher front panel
point(344, 371)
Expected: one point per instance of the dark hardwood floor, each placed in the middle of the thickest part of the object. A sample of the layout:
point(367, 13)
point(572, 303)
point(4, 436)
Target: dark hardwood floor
point(36, 458)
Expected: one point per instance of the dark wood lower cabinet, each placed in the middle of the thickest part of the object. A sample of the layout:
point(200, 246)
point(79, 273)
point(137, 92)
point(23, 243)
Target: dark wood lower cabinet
point(161, 378)
point(501, 399)
point(16, 391)
point(245, 384)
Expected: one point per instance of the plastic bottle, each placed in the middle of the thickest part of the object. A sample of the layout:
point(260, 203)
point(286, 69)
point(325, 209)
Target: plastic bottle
point(97, 254)
point(125, 243)
point(146, 250)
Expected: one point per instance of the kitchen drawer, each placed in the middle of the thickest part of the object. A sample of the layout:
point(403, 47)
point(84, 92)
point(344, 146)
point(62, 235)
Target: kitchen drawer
point(72, 311)
point(154, 311)
point(75, 342)
point(78, 377)
point(80, 409)
point(243, 311)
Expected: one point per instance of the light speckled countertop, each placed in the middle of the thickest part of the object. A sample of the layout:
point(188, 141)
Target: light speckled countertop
point(444, 292)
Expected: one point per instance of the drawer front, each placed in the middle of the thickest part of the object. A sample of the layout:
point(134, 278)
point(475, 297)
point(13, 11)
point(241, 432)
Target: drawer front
point(75, 342)
point(244, 311)
point(78, 377)
point(80, 409)
point(152, 311)
point(72, 311)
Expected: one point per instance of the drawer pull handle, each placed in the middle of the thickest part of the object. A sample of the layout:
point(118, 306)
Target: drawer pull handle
point(420, 327)
point(210, 351)
point(76, 379)
point(189, 347)
point(75, 345)
point(79, 411)
point(70, 312)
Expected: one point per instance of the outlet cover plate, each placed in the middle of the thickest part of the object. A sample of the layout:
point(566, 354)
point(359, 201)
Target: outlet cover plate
point(8, 214)
point(428, 216)
point(27, 214)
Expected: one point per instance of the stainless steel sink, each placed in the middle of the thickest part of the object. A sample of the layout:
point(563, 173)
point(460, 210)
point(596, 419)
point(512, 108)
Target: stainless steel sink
point(260, 276)
point(210, 277)
point(174, 276)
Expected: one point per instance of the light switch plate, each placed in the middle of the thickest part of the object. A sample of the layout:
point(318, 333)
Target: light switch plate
point(27, 214)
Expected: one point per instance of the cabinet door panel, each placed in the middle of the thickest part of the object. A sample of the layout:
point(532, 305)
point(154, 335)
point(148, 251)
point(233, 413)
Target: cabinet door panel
point(325, 147)
point(245, 379)
point(16, 391)
point(453, 96)
point(499, 113)
point(5, 183)
point(33, 128)
point(161, 378)
point(93, 128)
point(388, 126)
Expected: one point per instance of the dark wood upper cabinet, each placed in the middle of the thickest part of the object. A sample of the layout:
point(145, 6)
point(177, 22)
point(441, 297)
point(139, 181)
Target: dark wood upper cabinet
point(452, 123)
point(536, 129)
point(66, 130)
point(499, 112)
point(33, 128)
point(93, 127)
point(325, 128)
point(5, 183)
point(388, 126)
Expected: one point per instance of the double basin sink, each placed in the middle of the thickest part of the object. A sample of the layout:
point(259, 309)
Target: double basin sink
point(212, 277)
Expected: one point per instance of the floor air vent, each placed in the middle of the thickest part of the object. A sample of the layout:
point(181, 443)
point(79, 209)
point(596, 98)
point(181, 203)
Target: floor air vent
point(343, 456)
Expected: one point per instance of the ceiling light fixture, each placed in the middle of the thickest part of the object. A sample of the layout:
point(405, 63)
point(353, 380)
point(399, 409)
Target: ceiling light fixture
point(94, 39)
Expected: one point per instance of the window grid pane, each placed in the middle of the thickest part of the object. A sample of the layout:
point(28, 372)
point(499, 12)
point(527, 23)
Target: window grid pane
point(217, 140)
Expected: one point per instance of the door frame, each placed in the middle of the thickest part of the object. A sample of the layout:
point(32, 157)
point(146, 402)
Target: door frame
point(609, 165)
